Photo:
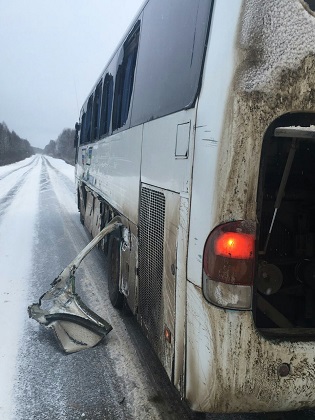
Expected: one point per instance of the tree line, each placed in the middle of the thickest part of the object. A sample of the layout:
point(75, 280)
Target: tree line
point(12, 147)
point(62, 148)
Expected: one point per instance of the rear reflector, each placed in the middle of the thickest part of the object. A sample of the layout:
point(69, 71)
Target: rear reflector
point(228, 264)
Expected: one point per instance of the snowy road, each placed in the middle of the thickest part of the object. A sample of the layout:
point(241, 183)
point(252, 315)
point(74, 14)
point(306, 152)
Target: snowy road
point(40, 233)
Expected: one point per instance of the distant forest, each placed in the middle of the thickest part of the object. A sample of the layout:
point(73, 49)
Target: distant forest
point(62, 148)
point(12, 147)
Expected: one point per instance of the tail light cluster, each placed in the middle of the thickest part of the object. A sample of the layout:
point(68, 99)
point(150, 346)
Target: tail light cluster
point(228, 265)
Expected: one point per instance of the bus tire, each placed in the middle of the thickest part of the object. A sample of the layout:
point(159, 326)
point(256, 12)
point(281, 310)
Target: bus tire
point(115, 296)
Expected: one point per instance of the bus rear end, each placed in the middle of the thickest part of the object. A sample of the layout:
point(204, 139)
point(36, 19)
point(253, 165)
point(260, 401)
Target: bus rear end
point(251, 272)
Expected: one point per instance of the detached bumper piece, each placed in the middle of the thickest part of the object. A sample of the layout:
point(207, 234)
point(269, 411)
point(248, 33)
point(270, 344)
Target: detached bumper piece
point(60, 308)
point(74, 324)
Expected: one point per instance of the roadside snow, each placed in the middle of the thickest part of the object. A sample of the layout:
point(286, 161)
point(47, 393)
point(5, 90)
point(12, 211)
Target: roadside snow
point(17, 228)
point(62, 167)
point(36, 381)
point(12, 179)
point(65, 196)
point(9, 168)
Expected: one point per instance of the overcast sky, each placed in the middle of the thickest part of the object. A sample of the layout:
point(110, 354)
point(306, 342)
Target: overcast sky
point(51, 53)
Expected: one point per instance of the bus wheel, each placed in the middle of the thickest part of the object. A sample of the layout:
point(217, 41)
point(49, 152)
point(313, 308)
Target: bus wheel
point(116, 298)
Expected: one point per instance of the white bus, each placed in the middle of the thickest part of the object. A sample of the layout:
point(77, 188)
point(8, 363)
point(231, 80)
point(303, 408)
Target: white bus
point(200, 134)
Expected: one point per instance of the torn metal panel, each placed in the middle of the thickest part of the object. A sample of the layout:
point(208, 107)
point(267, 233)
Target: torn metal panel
point(60, 308)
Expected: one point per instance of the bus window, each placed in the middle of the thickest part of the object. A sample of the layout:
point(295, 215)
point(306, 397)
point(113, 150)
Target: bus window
point(82, 128)
point(88, 121)
point(107, 101)
point(124, 79)
point(171, 52)
point(96, 112)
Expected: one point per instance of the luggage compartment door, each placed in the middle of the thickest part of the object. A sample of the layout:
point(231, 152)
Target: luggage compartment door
point(158, 226)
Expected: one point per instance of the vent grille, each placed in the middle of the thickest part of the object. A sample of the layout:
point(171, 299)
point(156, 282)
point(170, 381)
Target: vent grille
point(151, 241)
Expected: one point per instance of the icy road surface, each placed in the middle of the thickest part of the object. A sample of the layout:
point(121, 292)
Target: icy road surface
point(40, 233)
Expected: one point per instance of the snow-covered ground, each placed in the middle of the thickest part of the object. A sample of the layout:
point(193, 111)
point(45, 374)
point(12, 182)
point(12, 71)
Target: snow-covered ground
point(121, 378)
point(40, 233)
point(62, 166)
point(17, 227)
point(4, 170)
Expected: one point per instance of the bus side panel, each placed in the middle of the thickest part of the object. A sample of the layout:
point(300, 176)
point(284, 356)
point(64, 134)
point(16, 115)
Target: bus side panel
point(181, 296)
point(217, 79)
point(167, 151)
point(231, 368)
point(158, 224)
point(111, 167)
point(167, 156)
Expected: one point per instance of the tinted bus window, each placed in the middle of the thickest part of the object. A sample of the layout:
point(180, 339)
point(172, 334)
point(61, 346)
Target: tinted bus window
point(171, 53)
point(82, 134)
point(96, 112)
point(107, 100)
point(125, 78)
point(88, 121)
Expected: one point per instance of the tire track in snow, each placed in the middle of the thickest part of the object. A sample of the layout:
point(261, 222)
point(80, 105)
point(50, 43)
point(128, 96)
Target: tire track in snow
point(60, 174)
point(17, 225)
point(52, 384)
point(17, 169)
point(9, 196)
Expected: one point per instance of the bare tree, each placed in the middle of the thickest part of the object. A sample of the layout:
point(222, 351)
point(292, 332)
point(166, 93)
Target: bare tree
point(62, 148)
point(12, 147)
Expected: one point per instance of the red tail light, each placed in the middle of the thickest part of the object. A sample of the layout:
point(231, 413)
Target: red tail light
point(235, 245)
point(229, 259)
